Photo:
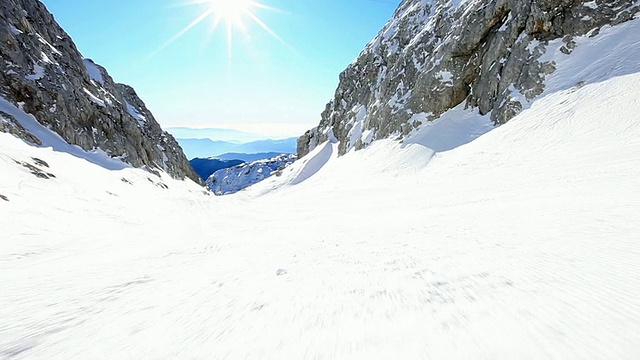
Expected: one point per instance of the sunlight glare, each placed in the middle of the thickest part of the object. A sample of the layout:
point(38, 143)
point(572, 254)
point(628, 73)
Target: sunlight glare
point(231, 11)
point(232, 14)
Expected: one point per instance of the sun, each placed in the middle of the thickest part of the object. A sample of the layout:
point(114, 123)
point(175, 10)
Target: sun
point(232, 14)
point(232, 11)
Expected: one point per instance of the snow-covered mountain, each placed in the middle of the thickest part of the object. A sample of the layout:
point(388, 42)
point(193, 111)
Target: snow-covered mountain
point(43, 75)
point(433, 55)
point(233, 179)
point(205, 167)
point(520, 244)
point(463, 241)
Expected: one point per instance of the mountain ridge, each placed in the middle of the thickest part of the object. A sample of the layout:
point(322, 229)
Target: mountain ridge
point(436, 54)
point(46, 76)
point(206, 147)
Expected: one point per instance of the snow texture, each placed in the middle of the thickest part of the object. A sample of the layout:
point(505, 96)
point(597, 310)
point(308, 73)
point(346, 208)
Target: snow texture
point(464, 242)
point(94, 72)
point(521, 244)
point(38, 73)
point(53, 140)
point(136, 114)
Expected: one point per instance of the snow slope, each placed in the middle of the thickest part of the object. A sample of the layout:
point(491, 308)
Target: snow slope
point(521, 244)
point(54, 141)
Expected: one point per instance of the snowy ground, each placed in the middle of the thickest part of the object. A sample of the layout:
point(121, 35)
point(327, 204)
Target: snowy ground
point(523, 244)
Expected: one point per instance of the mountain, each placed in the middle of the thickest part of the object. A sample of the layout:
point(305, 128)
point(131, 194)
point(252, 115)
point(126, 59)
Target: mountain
point(205, 167)
point(522, 244)
point(465, 240)
point(204, 148)
point(433, 55)
point(207, 148)
point(233, 179)
point(248, 157)
point(44, 78)
point(219, 134)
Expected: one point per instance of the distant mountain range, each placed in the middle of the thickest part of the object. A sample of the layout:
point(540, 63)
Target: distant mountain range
point(248, 157)
point(205, 167)
point(204, 148)
point(228, 135)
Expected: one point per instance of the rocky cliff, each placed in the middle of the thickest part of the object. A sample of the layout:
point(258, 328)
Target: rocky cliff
point(436, 54)
point(42, 72)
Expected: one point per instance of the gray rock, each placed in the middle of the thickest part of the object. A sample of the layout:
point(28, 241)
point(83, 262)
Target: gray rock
point(431, 57)
point(43, 72)
point(281, 272)
point(9, 124)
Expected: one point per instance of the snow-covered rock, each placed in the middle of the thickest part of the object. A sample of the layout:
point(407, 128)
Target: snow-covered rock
point(459, 243)
point(522, 244)
point(44, 75)
point(433, 55)
point(205, 167)
point(233, 179)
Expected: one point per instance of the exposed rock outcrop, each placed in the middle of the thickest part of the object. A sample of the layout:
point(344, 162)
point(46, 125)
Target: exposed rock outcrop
point(436, 54)
point(42, 71)
point(233, 179)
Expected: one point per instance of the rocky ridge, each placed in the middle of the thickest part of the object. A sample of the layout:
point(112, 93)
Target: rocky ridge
point(43, 73)
point(233, 179)
point(436, 54)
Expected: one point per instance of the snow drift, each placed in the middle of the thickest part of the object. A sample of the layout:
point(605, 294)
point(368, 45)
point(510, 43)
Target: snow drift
point(520, 244)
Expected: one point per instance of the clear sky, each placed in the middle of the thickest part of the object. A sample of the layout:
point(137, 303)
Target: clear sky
point(274, 78)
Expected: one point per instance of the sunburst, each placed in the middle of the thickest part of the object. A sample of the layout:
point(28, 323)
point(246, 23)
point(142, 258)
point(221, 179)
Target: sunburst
point(232, 14)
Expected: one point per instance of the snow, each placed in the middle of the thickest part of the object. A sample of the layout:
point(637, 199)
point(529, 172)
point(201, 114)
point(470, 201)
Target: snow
point(587, 64)
point(591, 5)
point(136, 114)
point(233, 179)
point(46, 58)
point(51, 47)
point(532, 45)
point(463, 242)
point(455, 128)
point(367, 136)
point(38, 73)
point(525, 236)
point(15, 30)
point(165, 159)
point(96, 100)
point(446, 76)
point(54, 141)
point(356, 132)
point(94, 72)
point(506, 22)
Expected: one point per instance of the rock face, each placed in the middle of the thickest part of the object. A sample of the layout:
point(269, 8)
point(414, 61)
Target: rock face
point(233, 179)
point(436, 54)
point(42, 71)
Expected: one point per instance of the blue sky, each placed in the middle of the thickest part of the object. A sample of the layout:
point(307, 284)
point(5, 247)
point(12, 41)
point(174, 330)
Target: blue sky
point(260, 84)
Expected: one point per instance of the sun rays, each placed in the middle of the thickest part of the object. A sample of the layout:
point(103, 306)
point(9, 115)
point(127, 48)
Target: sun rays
point(233, 15)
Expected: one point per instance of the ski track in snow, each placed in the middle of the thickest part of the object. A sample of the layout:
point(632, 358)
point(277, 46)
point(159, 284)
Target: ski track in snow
point(522, 244)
